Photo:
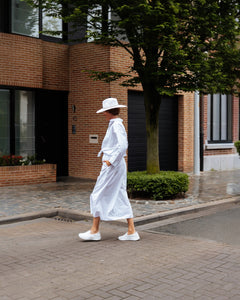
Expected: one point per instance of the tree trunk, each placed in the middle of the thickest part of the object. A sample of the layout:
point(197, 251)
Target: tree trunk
point(152, 101)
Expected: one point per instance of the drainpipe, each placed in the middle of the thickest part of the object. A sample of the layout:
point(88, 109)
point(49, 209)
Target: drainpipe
point(196, 134)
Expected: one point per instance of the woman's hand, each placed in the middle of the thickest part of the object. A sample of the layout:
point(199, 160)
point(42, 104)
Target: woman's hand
point(107, 162)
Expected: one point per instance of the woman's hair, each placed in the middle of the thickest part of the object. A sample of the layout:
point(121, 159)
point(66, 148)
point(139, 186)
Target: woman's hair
point(114, 111)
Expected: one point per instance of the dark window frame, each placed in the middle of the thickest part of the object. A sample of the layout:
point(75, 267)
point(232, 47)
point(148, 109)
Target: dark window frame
point(6, 23)
point(12, 91)
point(229, 121)
point(5, 16)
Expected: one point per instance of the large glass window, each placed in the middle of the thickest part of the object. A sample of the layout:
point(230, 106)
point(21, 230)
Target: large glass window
point(25, 19)
point(95, 27)
point(4, 122)
point(17, 122)
point(219, 127)
point(51, 24)
point(30, 21)
point(24, 123)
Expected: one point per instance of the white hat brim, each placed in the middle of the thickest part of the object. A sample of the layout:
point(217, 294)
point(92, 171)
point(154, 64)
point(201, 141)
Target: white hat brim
point(108, 108)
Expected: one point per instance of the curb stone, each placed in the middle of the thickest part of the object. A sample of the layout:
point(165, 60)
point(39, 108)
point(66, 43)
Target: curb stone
point(185, 210)
point(50, 213)
point(77, 215)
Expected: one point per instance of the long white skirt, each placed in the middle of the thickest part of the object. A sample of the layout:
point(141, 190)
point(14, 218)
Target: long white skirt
point(109, 199)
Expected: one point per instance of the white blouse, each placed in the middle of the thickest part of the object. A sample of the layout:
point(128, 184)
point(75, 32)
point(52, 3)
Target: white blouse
point(115, 142)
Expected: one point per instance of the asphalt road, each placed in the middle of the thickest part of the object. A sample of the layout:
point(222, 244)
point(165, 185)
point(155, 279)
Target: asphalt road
point(221, 226)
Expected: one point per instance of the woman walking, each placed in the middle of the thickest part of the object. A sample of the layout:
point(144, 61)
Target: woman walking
point(109, 200)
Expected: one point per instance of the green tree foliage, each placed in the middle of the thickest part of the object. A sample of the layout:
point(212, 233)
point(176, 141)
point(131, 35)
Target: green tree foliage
point(175, 46)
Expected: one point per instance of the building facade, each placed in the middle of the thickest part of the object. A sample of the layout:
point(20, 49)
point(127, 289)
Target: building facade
point(48, 104)
point(220, 125)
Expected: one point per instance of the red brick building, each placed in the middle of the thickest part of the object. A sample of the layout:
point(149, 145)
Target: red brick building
point(48, 106)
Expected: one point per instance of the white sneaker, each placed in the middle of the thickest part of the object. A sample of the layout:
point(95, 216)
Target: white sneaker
point(129, 237)
point(88, 236)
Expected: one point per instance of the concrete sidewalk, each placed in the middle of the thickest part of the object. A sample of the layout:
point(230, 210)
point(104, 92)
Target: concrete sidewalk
point(209, 188)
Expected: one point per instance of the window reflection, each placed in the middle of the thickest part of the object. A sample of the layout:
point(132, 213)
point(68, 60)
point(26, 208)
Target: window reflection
point(24, 123)
point(25, 19)
point(50, 23)
point(4, 122)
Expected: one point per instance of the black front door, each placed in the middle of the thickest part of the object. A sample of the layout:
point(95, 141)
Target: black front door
point(52, 128)
point(168, 133)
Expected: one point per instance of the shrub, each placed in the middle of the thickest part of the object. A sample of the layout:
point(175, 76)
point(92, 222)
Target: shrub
point(10, 160)
point(237, 145)
point(32, 160)
point(14, 160)
point(163, 185)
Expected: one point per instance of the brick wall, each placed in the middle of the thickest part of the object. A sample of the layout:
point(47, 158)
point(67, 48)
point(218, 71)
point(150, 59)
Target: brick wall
point(186, 132)
point(21, 61)
point(235, 117)
point(235, 127)
point(21, 175)
point(33, 63)
point(87, 96)
point(55, 66)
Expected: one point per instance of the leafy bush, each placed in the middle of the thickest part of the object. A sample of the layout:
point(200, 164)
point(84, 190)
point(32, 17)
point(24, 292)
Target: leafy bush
point(237, 145)
point(32, 160)
point(14, 160)
point(10, 160)
point(163, 185)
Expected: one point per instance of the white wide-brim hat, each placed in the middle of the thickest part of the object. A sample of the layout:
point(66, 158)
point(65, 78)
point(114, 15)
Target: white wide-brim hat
point(109, 103)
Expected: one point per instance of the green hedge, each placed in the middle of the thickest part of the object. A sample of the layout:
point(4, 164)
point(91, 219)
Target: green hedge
point(237, 145)
point(163, 185)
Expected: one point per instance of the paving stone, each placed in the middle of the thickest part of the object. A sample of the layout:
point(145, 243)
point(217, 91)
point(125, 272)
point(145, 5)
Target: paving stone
point(57, 265)
point(44, 259)
point(74, 194)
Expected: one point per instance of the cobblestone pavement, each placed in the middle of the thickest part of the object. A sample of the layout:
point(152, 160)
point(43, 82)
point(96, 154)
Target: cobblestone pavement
point(74, 194)
point(44, 260)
